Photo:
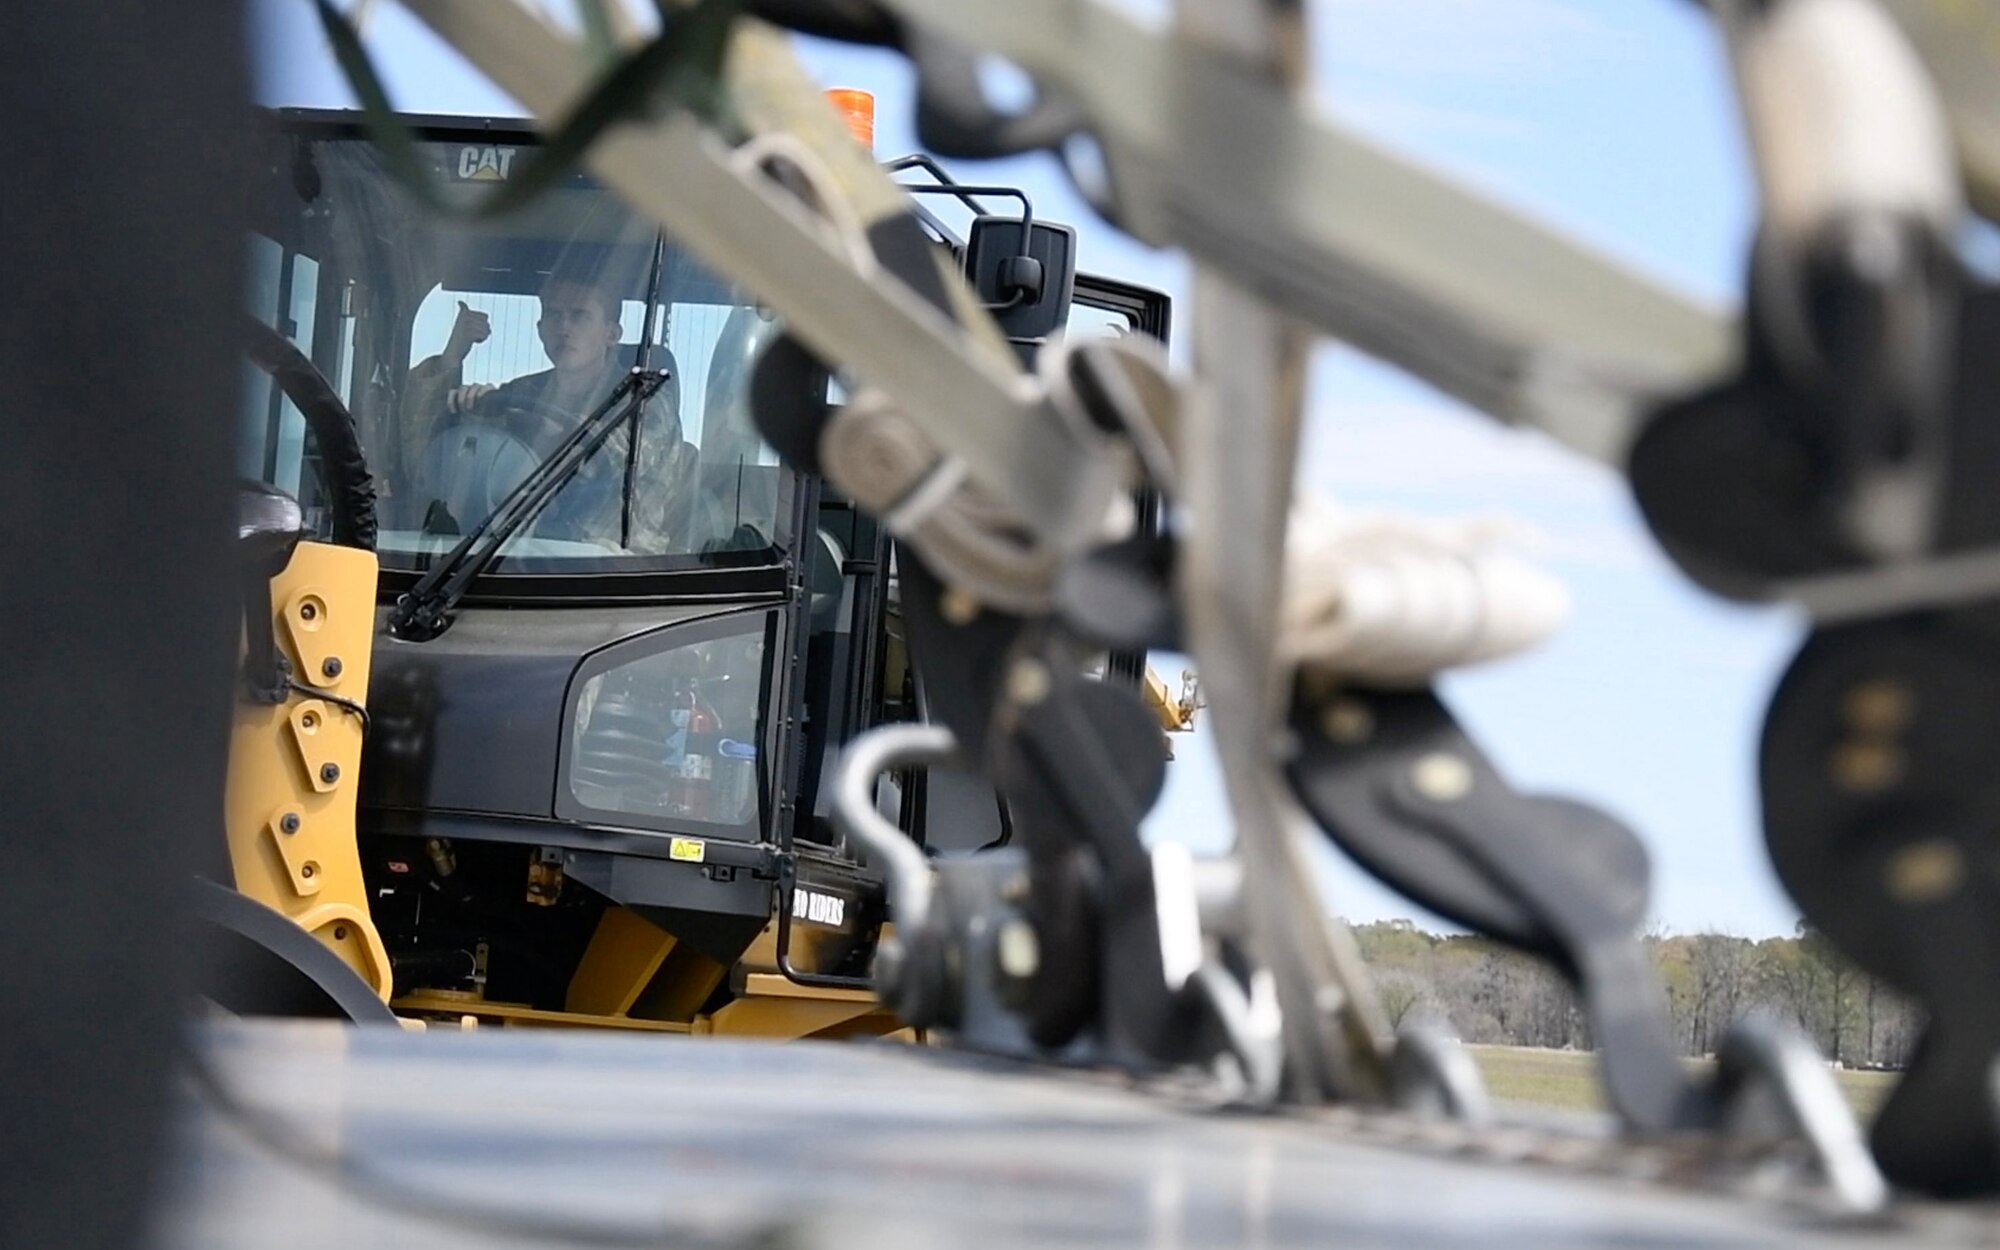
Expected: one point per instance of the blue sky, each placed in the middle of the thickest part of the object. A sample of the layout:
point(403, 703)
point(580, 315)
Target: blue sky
point(1611, 120)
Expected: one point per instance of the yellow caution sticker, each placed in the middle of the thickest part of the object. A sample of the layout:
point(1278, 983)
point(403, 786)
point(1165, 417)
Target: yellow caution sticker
point(687, 850)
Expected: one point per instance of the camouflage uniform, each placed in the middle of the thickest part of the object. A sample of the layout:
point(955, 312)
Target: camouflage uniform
point(591, 505)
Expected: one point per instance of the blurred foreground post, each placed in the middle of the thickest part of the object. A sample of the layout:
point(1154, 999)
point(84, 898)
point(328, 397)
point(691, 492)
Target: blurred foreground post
point(118, 368)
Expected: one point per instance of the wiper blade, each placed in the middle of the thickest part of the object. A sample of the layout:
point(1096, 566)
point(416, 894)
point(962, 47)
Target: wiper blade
point(426, 610)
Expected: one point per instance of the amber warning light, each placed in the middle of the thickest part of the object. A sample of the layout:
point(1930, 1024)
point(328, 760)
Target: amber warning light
point(857, 108)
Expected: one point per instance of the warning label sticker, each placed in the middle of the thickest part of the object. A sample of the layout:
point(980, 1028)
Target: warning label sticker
point(687, 850)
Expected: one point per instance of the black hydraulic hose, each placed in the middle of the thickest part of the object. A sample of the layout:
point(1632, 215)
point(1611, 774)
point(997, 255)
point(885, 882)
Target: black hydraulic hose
point(350, 489)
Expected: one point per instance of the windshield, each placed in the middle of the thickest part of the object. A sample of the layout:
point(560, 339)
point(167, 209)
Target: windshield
point(467, 352)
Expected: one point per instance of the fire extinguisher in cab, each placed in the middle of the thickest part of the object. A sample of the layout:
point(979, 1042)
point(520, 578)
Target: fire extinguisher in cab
point(698, 728)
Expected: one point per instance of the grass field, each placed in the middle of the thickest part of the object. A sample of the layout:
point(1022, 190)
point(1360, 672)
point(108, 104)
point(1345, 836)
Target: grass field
point(1566, 1080)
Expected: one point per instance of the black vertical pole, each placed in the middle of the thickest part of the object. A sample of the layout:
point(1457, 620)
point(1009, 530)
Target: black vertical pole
point(119, 296)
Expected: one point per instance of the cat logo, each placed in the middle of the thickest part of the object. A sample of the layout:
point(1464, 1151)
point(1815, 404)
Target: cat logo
point(484, 164)
point(829, 909)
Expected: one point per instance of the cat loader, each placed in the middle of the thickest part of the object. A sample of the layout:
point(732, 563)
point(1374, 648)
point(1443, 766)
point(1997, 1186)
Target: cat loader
point(541, 684)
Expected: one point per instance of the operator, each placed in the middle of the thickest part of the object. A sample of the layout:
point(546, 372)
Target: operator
point(579, 330)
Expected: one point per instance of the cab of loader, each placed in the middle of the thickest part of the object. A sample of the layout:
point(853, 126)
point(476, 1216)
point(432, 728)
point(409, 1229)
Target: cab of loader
point(594, 794)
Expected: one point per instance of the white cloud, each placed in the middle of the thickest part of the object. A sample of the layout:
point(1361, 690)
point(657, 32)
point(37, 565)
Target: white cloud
point(1428, 455)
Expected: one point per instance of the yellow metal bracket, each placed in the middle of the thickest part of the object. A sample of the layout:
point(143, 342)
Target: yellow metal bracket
point(288, 835)
point(294, 767)
point(349, 932)
point(624, 954)
point(773, 1006)
point(318, 752)
point(317, 640)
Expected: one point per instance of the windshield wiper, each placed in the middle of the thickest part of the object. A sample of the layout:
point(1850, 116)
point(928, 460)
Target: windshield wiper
point(426, 611)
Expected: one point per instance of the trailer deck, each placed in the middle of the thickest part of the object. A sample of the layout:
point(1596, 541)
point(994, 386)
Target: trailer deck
point(339, 1137)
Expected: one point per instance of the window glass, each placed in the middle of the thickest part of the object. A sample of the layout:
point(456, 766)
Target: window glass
point(289, 454)
point(282, 291)
point(1088, 322)
point(468, 352)
point(265, 264)
point(674, 737)
point(342, 376)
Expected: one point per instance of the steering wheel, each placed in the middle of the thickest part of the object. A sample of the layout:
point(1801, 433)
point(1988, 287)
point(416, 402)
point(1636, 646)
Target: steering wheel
point(478, 454)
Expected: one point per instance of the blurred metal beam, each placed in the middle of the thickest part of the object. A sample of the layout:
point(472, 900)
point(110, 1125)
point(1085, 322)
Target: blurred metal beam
point(1405, 262)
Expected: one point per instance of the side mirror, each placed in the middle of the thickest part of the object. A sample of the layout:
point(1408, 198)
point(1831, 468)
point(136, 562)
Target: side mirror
point(269, 527)
point(1026, 281)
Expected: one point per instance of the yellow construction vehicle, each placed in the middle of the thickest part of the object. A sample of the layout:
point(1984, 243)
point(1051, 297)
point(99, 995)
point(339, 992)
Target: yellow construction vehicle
point(535, 734)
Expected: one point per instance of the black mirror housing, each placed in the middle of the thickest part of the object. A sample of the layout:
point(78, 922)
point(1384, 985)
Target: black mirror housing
point(1027, 282)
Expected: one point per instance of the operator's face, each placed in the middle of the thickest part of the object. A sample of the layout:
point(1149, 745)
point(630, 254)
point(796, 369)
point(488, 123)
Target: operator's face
point(575, 332)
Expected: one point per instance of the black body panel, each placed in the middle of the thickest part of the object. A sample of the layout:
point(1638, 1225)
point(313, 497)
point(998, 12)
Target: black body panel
point(472, 722)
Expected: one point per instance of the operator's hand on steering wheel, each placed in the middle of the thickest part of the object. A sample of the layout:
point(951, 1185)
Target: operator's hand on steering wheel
point(462, 398)
point(468, 330)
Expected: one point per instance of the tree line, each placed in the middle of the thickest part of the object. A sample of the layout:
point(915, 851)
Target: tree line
point(1484, 992)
